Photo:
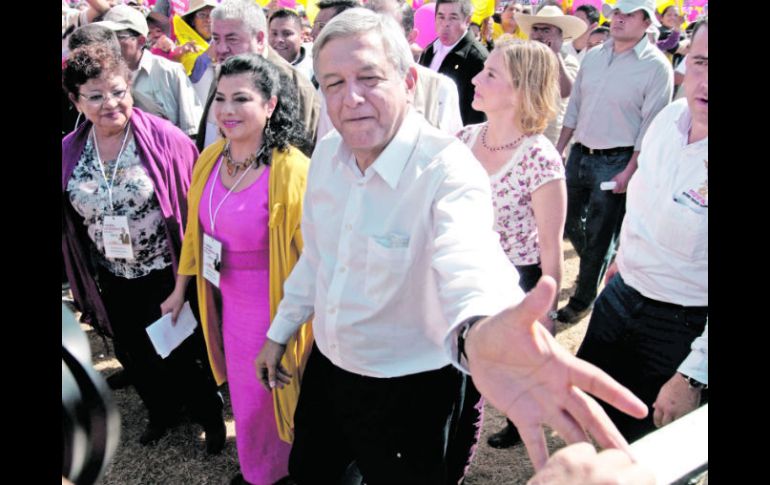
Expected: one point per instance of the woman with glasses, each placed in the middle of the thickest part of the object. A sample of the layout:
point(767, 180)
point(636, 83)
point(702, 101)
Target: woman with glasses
point(245, 205)
point(126, 173)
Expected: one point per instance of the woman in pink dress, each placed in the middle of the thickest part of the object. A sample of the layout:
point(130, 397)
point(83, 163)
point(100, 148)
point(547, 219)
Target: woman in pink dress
point(247, 192)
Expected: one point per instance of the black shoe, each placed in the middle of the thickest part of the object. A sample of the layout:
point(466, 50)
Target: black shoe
point(152, 433)
point(119, 380)
point(216, 434)
point(504, 438)
point(569, 314)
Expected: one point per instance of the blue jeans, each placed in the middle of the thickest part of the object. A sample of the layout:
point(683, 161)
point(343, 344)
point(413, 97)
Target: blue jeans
point(639, 342)
point(593, 218)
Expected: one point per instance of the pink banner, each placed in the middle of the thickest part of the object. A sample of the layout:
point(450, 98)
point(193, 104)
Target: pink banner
point(178, 6)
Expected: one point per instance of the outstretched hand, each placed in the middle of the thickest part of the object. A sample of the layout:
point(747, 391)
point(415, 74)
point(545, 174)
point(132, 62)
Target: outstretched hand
point(521, 369)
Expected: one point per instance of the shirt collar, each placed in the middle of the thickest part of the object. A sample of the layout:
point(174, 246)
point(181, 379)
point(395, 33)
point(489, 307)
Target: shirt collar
point(145, 63)
point(439, 47)
point(683, 124)
point(391, 162)
point(609, 45)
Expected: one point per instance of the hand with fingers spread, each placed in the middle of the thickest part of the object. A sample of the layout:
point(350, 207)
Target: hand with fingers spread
point(521, 369)
point(579, 464)
point(270, 372)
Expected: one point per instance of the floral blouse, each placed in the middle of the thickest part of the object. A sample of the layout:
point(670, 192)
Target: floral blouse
point(133, 196)
point(533, 163)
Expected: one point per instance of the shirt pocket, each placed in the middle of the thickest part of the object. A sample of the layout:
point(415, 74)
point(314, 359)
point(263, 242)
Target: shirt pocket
point(683, 231)
point(386, 268)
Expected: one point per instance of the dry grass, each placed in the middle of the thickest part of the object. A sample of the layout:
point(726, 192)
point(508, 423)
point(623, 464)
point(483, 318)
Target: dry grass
point(180, 456)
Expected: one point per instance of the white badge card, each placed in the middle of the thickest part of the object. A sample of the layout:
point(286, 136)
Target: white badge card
point(117, 238)
point(212, 259)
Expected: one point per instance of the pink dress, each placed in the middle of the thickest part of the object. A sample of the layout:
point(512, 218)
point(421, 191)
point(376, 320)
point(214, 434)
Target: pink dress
point(241, 227)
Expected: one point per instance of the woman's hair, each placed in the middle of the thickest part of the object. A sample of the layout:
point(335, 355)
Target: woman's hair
point(533, 70)
point(92, 62)
point(285, 127)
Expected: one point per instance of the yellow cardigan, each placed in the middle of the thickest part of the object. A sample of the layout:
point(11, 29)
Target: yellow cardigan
point(286, 187)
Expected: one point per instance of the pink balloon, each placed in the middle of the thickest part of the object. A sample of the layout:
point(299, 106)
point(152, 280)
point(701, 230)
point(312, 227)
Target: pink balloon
point(417, 4)
point(424, 21)
point(595, 3)
point(698, 3)
point(287, 4)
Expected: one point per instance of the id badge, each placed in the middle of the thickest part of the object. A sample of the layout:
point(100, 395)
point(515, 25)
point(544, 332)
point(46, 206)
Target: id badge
point(117, 238)
point(212, 259)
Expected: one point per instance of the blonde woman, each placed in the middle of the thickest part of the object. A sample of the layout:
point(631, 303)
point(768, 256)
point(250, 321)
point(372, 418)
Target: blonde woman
point(518, 91)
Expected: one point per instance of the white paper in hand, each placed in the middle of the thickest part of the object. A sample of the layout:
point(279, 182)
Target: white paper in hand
point(165, 336)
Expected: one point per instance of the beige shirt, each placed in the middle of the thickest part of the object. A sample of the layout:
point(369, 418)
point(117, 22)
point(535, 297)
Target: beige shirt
point(552, 131)
point(161, 87)
point(616, 96)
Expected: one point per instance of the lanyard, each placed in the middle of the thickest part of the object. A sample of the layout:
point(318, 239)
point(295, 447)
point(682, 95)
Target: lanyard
point(213, 215)
point(111, 182)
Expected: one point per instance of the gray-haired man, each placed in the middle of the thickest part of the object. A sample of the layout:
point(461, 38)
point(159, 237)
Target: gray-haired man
point(400, 267)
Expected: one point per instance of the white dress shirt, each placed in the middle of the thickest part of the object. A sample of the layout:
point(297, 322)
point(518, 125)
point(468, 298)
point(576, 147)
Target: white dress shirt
point(395, 259)
point(440, 52)
point(664, 239)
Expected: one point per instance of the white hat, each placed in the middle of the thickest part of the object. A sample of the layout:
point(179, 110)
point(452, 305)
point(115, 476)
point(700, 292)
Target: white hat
point(629, 6)
point(571, 27)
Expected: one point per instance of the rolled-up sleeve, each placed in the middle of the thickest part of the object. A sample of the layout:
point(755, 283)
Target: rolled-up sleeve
point(473, 274)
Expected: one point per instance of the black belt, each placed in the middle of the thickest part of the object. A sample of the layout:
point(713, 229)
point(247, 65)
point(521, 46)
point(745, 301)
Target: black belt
point(604, 151)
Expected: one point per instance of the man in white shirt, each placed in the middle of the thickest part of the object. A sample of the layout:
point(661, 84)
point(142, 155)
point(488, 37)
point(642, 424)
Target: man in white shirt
point(159, 86)
point(649, 326)
point(285, 36)
point(400, 267)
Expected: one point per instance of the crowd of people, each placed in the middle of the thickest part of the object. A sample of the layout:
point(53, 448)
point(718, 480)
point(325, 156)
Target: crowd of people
point(370, 231)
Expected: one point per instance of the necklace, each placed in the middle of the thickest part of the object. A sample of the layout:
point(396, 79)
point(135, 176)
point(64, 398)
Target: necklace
point(507, 146)
point(234, 167)
point(101, 164)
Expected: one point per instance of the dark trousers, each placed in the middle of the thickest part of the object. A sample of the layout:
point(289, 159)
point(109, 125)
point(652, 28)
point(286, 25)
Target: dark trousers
point(594, 217)
point(640, 343)
point(395, 429)
point(164, 385)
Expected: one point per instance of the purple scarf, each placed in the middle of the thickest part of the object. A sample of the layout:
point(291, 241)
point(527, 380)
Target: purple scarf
point(167, 156)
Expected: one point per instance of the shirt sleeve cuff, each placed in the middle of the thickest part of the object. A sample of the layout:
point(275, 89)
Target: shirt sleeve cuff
point(696, 366)
point(281, 330)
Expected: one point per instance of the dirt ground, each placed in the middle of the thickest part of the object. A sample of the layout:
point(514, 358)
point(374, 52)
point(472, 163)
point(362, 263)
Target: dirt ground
point(180, 456)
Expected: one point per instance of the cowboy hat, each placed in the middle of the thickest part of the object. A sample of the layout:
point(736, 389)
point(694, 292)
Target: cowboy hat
point(571, 27)
point(196, 5)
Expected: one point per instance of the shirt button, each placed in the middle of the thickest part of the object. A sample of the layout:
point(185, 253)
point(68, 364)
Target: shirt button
point(332, 310)
point(348, 227)
point(343, 269)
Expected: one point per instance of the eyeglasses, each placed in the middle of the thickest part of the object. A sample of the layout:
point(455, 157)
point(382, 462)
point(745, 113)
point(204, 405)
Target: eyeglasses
point(126, 36)
point(203, 14)
point(100, 99)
